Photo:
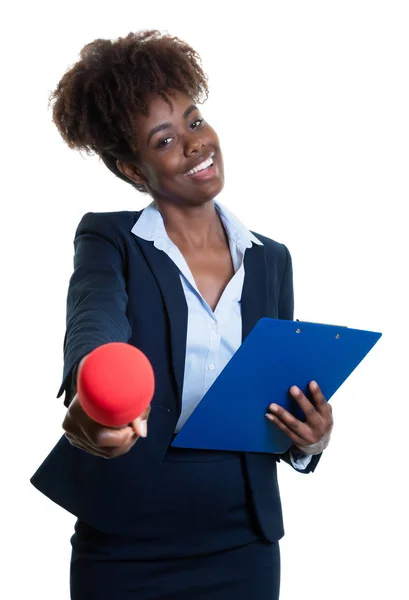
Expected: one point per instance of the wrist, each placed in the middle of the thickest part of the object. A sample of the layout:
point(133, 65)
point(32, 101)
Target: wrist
point(318, 447)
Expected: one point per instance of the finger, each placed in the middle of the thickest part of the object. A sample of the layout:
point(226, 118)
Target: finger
point(81, 445)
point(324, 408)
point(84, 433)
point(146, 412)
point(297, 439)
point(116, 452)
point(142, 417)
point(95, 436)
point(311, 414)
point(104, 437)
point(80, 424)
point(302, 430)
point(71, 427)
point(318, 397)
point(100, 452)
point(140, 426)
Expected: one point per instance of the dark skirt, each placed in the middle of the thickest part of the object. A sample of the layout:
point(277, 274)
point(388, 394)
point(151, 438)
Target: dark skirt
point(197, 539)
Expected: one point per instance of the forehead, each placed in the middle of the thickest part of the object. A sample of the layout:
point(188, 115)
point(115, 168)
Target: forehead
point(161, 111)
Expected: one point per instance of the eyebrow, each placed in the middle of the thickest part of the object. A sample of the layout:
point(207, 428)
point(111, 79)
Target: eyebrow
point(163, 126)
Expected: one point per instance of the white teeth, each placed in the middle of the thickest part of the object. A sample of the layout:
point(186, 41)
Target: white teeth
point(204, 165)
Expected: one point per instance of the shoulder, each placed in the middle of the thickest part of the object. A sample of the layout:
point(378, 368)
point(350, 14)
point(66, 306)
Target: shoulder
point(108, 224)
point(276, 251)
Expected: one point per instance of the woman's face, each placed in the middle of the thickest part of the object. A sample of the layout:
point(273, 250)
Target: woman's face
point(175, 141)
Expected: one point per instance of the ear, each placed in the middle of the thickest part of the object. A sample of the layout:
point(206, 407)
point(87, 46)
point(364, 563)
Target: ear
point(131, 171)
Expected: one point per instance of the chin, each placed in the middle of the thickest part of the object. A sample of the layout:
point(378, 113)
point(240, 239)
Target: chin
point(208, 195)
point(191, 193)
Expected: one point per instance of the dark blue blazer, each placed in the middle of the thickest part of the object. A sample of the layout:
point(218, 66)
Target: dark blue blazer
point(125, 290)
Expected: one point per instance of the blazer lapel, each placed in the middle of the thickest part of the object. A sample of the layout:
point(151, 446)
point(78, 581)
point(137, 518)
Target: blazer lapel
point(254, 304)
point(167, 275)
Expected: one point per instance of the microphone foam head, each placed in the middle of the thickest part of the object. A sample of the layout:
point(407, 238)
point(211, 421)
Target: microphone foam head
point(115, 384)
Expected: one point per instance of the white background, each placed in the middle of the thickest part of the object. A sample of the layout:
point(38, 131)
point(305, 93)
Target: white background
point(310, 100)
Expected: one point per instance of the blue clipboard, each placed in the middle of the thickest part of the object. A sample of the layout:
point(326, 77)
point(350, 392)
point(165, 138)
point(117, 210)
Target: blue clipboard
point(275, 356)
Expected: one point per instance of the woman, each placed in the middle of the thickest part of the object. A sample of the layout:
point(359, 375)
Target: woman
point(184, 281)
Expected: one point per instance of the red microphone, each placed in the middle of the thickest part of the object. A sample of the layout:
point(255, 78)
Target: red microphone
point(115, 384)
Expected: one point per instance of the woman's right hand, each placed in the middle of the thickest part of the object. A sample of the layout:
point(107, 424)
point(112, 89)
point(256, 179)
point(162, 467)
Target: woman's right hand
point(86, 434)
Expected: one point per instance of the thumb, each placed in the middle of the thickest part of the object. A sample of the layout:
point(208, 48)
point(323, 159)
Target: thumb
point(140, 426)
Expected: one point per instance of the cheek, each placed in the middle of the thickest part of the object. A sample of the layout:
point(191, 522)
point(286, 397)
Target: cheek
point(214, 138)
point(162, 177)
point(167, 167)
point(156, 173)
point(215, 142)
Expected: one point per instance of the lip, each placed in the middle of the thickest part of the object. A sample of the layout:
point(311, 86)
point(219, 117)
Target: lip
point(198, 162)
point(207, 173)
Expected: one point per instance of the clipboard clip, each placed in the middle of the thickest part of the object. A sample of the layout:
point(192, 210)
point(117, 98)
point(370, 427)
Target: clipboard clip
point(316, 323)
point(337, 336)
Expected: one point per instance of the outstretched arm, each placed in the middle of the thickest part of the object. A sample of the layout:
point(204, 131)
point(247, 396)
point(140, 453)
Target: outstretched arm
point(97, 297)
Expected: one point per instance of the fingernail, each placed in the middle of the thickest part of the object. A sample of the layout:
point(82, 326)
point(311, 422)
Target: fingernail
point(295, 390)
point(270, 417)
point(313, 386)
point(144, 429)
point(274, 407)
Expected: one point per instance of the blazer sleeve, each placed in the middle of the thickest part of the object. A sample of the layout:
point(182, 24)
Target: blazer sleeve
point(286, 311)
point(286, 295)
point(97, 297)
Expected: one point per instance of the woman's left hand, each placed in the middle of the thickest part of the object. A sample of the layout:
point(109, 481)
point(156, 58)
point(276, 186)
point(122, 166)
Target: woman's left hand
point(315, 432)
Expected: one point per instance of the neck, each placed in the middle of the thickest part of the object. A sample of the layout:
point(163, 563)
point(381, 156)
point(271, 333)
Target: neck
point(193, 226)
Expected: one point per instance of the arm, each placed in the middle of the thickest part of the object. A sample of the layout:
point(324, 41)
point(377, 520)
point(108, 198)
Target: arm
point(300, 461)
point(96, 315)
point(97, 298)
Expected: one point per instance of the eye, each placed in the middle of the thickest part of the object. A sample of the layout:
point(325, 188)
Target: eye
point(164, 142)
point(197, 123)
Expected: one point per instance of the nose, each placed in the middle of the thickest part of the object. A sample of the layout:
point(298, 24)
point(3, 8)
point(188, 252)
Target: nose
point(193, 144)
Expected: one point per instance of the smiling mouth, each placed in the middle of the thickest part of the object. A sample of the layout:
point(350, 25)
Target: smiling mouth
point(206, 164)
